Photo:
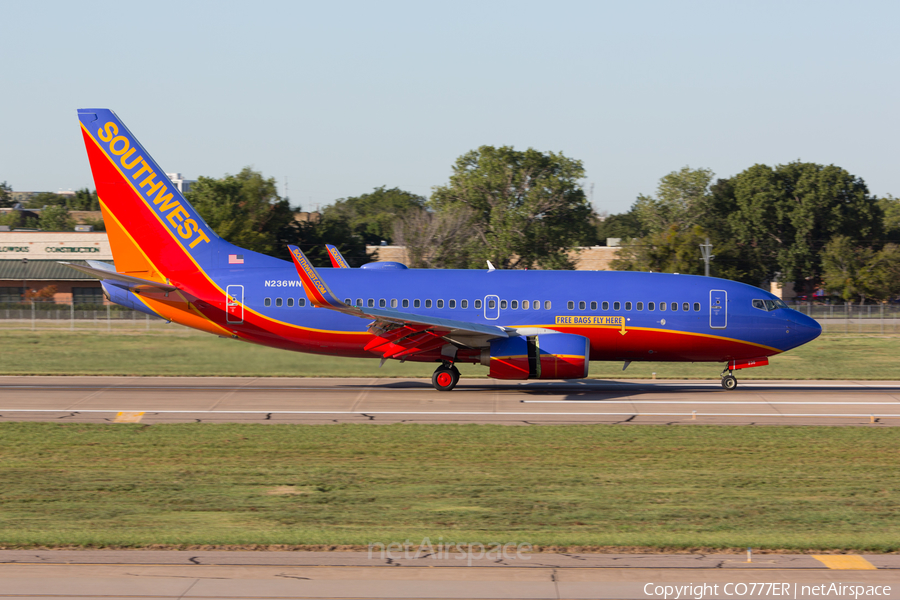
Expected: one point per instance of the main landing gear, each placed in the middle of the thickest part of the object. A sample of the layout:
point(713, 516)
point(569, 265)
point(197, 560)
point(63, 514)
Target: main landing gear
point(729, 382)
point(445, 377)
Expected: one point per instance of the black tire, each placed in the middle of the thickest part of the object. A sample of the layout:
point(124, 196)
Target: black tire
point(445, 379)
point(729, 382)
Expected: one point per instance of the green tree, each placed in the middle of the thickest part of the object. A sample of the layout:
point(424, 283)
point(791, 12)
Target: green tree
point(681, 199)
point(84, 199)
point(5, 195)
point(246, 210)
point(437, 240)
point(312, 236)
point(528, 207)
point(56, 218)
point(43, 199)
point(857, 272)
point(372, 216)
point(890, 207)
point(787, 214)
point(675, 249)
point(624, 226)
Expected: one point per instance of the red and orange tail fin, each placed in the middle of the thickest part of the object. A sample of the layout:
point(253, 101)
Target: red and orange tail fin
point(153, 231)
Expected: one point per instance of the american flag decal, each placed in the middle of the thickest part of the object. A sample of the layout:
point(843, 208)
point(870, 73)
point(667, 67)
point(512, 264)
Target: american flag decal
point(235, 259)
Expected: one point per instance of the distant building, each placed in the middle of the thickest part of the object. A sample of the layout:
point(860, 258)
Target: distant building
point(183, 185)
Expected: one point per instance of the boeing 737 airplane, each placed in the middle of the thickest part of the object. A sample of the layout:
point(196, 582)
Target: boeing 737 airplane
point(519, 324)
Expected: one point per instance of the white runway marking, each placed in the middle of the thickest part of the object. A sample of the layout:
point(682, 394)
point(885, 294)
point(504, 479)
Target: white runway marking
point(895, 403)
point(148, 411)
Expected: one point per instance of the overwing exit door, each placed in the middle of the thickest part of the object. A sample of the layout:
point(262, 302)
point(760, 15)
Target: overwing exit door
point(234, 304)
point(492, 307)
point(718, 309)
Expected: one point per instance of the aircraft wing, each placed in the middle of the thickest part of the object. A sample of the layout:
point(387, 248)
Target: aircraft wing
point(107, 273)
point(337, 259)
point(398, 334)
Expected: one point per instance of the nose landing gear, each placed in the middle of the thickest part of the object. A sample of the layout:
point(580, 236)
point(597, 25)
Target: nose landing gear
point(445, 377)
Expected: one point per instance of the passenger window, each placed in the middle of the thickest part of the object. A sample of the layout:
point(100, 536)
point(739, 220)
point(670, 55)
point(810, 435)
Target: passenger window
point(640, 306)
point(393, 303)
point(570, 305)
point(278, 301)
point(428, 303)
point(464, 304)
point(290, 301)
point(478, 304)
point(359, 302)
point(606, 306)
point(492, 304)
point(537, 305)
point(696, 307)
point(547, 305)
point(617, 305)
point(662, 306)
point(514, 305)
point(417, 303)
point(382, 303)
point(525, 304)
point(440, 304)
point(453, 304)
point(347, 301)
point(581, 305)
point(593, 305)
point(628, 306)
point(405, 303)
point(651, 306)
point(267, 302)
point(301, 302)
point(503, 304)
point(685, 306)
point(371, 303)
point(674, 306)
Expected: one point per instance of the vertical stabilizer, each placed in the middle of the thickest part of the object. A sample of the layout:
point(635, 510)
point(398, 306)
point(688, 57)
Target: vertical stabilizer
point(153, 231)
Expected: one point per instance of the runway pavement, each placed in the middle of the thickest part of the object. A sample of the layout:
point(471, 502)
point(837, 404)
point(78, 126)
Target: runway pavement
point(349, 400)
point(257, 575)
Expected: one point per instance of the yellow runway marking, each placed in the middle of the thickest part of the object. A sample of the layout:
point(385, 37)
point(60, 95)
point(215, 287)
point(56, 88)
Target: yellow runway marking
point(847, 562)
point(128, 417)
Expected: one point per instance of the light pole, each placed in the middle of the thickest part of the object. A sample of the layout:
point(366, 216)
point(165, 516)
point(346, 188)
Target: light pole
point(706, 252)
point(24, 279)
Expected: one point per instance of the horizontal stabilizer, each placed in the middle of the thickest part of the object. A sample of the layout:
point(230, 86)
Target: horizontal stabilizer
point(132, 283)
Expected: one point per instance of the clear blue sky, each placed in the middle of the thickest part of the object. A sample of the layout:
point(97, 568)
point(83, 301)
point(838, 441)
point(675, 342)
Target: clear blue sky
point(341, 97)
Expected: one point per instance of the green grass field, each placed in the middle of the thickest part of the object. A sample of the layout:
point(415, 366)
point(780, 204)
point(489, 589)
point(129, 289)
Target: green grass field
point(174, 350)
point(796, 488)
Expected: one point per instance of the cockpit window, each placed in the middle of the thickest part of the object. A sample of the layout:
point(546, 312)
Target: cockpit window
point(769, 305)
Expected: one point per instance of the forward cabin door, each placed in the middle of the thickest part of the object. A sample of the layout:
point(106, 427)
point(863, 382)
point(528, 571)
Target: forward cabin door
point(234, 304)
point(718, 309)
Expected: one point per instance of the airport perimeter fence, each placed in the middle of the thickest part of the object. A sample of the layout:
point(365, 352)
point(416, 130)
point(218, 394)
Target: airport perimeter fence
point(835, 318)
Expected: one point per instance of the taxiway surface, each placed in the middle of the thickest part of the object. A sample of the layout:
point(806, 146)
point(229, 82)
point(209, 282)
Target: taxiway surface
point(342, 400)
point(258, 575)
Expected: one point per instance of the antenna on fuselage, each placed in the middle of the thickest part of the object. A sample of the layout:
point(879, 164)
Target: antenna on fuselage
point(491, 267)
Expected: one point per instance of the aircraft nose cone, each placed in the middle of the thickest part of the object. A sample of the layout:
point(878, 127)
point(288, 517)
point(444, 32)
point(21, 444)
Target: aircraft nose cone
point(806, 328)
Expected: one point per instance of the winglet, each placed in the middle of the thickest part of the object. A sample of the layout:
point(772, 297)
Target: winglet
point(316, 289)
point(337, 259)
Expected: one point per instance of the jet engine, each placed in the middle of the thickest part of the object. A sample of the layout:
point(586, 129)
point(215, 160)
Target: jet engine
point(542, 356)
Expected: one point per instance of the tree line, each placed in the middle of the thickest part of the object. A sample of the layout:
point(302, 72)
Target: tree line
point(811, 224)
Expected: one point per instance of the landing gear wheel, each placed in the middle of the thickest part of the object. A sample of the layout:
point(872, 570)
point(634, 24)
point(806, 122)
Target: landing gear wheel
point(445, 378)
point(729, 382)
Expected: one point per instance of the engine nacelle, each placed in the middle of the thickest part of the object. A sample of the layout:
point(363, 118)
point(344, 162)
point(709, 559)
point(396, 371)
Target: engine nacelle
point(542, 356)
